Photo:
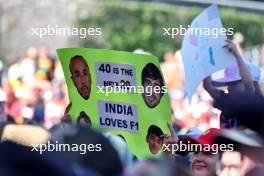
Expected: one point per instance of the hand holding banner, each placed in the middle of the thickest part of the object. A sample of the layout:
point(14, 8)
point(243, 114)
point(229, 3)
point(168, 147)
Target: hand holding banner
point(202, 51)
point(120, 92)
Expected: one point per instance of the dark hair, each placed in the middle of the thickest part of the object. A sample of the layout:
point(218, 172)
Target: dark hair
point(151, 71)
point(105, 162)
point(84, 116)
point(77, 57)
point(153, 129)
point(122, 137)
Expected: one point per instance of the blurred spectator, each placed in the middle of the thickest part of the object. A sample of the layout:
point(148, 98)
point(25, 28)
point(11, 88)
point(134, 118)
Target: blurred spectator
point(3, 96)
point(45, 65)
point(262, 56)
point(204, 162)
point(122, 149)
point(20, 160)
point(230, 163)
point(106, 161)
point(156, 167)
point(172, 71)
point(36, 90)
point(13, 106)
point(28, 66)
point(240, 78)
point(247, 153)
point(39, 108)
point(24, 134)
point(1, 72)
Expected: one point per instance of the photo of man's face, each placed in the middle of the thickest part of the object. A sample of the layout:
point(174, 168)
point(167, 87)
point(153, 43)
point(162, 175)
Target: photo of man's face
point(152, 83)
point(151, 97)
point(84, 120)
point(81, 76)
point(154, 139)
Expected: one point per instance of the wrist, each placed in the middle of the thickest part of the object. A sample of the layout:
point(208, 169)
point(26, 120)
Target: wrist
point(237, 56)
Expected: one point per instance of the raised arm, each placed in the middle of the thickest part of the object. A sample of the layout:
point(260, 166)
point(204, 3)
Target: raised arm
point(244, 72)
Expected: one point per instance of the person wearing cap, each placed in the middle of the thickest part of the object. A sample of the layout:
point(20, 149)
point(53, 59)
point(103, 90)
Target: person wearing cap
point(205, 157)
point(240, 79)
point(246, 155)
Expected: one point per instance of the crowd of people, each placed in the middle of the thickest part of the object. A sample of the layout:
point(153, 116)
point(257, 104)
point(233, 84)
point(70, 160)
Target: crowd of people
point(33, 101)
point(33, 89)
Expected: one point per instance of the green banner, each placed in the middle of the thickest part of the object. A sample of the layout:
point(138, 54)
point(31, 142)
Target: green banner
point(120, 92)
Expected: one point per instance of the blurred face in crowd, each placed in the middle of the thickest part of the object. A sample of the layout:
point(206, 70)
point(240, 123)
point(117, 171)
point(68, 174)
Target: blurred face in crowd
point(230, 163)
point(251, 157)
point(152, 91)
point(155, 143)
point(204, 164)
point(81, 76)
point(144, 168)
point(32, 52)
point(168, 57)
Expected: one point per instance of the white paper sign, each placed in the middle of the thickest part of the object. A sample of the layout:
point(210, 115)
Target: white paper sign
point(202, 49)
point(116, 115)
point(115, 75)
